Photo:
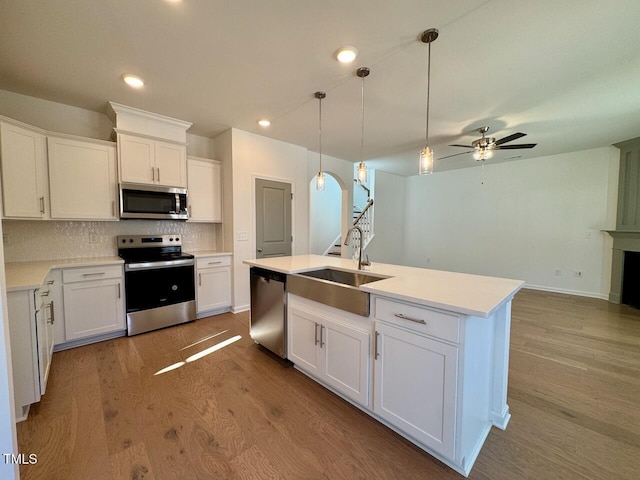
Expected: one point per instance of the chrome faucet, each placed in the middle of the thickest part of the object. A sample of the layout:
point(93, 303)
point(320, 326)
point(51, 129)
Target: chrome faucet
point(361, 263)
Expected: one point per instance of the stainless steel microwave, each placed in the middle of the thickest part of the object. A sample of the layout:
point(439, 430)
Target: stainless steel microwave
point(153, 201)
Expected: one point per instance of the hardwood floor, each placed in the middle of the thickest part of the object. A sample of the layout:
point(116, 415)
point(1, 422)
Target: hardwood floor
point(241, 413)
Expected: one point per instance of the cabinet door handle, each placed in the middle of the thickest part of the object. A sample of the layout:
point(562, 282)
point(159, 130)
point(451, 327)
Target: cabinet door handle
point(199, 279)
point(50, 282)
point(215, 263)
point(153, 174)
point(113, 208)
point(45, 294)
point(93, 274)
point(158, 173)
point(376, 354)
point(315, 331)
point(404, 317)
point(42, 205)
point(321, 341)
point(119, 291)
point(52, 318)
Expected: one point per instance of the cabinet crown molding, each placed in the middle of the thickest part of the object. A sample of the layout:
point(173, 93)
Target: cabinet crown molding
point(146, 123)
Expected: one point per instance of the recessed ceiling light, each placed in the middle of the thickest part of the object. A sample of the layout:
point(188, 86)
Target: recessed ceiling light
point(133, 80)
point(263, 122)
point(346, 54)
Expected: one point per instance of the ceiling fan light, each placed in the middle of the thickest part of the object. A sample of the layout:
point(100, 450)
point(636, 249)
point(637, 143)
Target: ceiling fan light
point(426, 161)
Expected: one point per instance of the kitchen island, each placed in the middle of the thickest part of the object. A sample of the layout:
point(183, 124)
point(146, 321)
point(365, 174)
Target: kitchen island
point(430, 361)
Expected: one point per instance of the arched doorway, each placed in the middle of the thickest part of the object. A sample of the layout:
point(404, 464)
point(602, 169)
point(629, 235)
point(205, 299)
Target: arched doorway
point(326, 215)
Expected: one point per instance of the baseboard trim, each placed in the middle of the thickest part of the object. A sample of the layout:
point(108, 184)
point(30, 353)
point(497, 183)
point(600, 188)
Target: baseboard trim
point(240, 308)
point(578, 293)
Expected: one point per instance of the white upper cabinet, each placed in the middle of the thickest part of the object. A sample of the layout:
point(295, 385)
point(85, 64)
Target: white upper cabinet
point(25, 189)
point(152, 162)
point(204, 190)
point(151, 148)
point(82, 179)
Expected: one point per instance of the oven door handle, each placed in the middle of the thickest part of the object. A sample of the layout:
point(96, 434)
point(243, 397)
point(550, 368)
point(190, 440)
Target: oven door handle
point(153, 265)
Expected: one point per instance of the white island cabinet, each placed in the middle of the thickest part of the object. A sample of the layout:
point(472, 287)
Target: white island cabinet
point(430, 361)
point(330, 345)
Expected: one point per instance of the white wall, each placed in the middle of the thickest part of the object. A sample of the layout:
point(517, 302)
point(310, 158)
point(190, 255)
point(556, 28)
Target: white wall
point(529, 218)
point(325, 218)
point(253, 156)
point(389, 222)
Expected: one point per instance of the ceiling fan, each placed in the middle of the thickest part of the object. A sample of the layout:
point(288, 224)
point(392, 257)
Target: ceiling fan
point(484, 147)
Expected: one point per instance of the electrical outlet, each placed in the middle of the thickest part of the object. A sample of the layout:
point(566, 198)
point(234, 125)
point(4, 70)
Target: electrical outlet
point(243, 236)
point(557, 272)
point(577, 273)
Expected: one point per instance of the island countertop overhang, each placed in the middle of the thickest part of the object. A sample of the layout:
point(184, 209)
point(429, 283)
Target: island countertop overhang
point(462, 293)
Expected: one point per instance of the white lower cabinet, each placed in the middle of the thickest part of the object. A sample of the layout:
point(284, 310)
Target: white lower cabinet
point(213, 284)
point(332, 346)
point(415, 386)
point(93, 301)
point(31, 321)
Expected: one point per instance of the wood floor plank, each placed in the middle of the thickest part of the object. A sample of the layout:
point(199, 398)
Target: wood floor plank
point(238, 412)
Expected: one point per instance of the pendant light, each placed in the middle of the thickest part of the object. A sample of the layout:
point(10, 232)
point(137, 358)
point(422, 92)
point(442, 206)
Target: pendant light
point(320, 175)
point(362, 168)
point(426, 154)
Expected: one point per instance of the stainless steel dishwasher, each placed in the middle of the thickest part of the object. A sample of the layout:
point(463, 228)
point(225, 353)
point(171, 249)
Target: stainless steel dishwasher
point(268, 310)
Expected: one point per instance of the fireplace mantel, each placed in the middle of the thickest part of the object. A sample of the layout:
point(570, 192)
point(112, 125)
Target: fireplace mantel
point(623, 241)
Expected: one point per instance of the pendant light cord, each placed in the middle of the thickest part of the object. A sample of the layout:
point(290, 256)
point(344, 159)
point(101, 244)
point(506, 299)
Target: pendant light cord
point(426, 136)
point(320, 131)
point(362, 137)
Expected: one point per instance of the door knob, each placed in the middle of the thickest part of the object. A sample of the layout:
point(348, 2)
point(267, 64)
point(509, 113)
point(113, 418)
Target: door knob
point(259, 250)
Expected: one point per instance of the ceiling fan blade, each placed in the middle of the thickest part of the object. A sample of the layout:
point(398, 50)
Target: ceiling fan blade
point(463, 146)
point(515, 147)
point(455, 154)
point(510, 138)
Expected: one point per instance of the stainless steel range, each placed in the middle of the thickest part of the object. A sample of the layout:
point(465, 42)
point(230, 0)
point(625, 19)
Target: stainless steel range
point(159, 282)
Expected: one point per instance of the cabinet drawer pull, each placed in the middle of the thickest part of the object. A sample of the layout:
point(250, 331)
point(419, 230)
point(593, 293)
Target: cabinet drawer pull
point(45, 294)
point(315, 331)
point(376, 354)
point(41, 204)
point(215, 263)
point(404, 317)
point(321, 341)
point(199, 279)
point(119, 291)
point(158, 174)
point(93, 274)
point(51, 282)
point(153, 174)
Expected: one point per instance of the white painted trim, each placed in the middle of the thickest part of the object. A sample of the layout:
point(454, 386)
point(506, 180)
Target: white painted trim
point(333, 244)
point(240, 309)
point(567, 291)
point(119, 109)
point(122, 131)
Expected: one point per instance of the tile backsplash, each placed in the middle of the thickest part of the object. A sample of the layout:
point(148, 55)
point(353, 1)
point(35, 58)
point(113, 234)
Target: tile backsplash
point(26, 240)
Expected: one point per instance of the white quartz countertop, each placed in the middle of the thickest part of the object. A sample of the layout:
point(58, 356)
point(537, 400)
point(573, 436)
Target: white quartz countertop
point(210, 253)
point(457, 292)
point(29, 275)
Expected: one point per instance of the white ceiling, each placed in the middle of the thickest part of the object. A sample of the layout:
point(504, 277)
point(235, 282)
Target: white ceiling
point(566, 72)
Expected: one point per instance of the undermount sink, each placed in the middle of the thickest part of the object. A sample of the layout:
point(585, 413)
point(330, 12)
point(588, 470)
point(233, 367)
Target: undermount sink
point(336, 288)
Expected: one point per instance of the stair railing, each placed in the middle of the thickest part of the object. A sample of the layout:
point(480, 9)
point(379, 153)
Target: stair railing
point(365, 222)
